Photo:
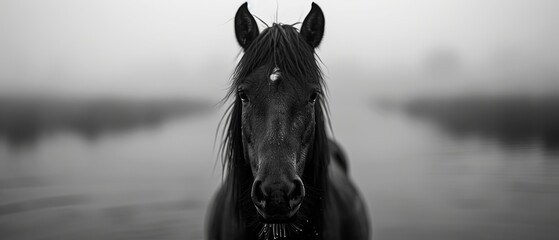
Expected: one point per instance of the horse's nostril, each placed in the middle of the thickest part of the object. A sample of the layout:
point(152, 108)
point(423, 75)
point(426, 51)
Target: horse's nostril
point(277, 196)
point(257, 195)
point(298, 193)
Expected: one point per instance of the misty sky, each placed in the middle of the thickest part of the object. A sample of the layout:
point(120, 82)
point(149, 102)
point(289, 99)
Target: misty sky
point(172, 48)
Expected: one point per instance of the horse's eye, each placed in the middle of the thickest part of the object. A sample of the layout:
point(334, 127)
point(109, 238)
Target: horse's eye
point(313, 97)
point(243, 96)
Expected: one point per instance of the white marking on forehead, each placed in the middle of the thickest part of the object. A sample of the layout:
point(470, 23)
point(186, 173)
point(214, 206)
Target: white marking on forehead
point(275, 74)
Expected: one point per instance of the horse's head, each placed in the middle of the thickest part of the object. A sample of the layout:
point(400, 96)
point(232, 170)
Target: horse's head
point(278, 87)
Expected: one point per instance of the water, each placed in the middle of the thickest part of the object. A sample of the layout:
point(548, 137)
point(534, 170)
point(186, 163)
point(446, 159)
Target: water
point(422, 183)
point(148, 184)
point(156, 182)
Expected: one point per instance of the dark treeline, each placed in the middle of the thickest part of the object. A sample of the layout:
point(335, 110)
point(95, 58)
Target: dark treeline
point(24, 120)
point(510, 119)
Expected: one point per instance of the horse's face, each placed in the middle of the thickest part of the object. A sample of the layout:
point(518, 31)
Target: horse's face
point(278, 130)
point(278, 123)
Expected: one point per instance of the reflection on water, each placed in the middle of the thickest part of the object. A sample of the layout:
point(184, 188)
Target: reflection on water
point(138, 183)
point(155, 183)
point(512, 120)
point(473, 168)
point(24, 120)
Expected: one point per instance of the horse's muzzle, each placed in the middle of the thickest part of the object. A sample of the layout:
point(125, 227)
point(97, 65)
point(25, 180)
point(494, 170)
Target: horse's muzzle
point(277, 201)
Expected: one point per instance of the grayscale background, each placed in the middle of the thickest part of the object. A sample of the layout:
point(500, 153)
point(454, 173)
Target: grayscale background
point(447, 109)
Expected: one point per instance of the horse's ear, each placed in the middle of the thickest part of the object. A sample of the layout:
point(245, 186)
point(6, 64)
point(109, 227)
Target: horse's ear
point(246, 28)
point(313, 26)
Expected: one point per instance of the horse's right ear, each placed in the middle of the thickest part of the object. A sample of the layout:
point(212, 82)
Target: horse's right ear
point(246, 28)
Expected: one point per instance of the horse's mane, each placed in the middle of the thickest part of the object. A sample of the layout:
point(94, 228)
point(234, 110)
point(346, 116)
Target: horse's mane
point(277, 46)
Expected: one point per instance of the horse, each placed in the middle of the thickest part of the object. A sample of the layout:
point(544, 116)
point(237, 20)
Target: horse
point(283, 177)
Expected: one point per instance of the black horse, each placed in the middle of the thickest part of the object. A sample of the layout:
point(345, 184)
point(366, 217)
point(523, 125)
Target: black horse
point(284, 178)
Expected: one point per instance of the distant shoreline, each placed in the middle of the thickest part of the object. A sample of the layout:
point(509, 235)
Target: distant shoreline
point(511, 119)
point(24, 120)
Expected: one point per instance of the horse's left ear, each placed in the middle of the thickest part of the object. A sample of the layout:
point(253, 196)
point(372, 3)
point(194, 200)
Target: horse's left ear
point(313, 26)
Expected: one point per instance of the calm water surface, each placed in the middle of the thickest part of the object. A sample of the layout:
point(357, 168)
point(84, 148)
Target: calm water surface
point(156, 183)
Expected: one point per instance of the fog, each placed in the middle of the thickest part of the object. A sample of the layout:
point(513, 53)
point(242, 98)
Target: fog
point(446, 109)
point(179, 48)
